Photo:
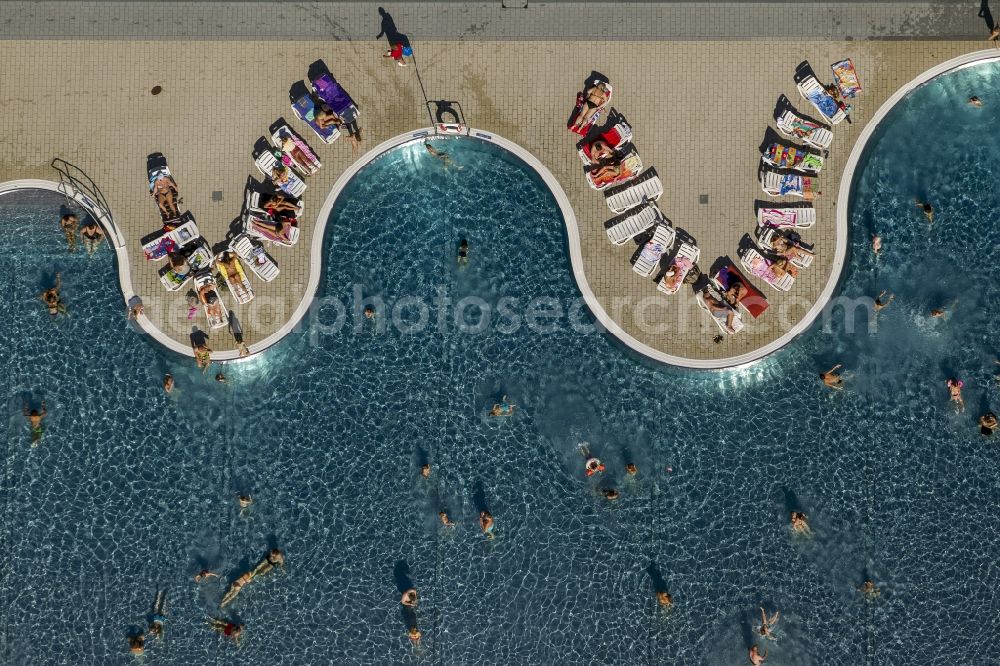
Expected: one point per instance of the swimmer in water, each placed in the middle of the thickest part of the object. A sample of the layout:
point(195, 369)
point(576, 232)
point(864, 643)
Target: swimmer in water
point(425, 470)
point(244, 500)
point(832, 379)
point(440, 154)
point(369, 312)
point(800, 525)
point(204, 574)
point(226, 628)
point(157, 618)
point(631, 469)
point(870, 592)
point(409, 598)
point(414, 635)
point(463, 252)
point(35, 422)
point(611, 494)
point(767, 624)
point(756, 658)
point(664, 599)
point(927, 209)
point(221, 378)
point(880, 303)
point(486, 522)
point(52, 299)
point(69, 224)
point(136, 644)
point(876, 244)
point(955, 391)
point(988, 423)
point(168, 382)
point(503, 408)
point(445, 520)
point(976, 102)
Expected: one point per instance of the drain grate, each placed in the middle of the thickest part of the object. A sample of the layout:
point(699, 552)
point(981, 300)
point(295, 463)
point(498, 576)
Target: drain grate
point(703, 198)
point(217, 195)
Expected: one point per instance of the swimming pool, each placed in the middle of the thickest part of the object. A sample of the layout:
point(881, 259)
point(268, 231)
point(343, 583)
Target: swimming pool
point(133, 490)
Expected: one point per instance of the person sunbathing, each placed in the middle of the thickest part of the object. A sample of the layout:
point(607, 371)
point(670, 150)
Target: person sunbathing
point(719, 310)
point(781, 267)
point(601, 150)
point(228, 262)
point(609, 173)
point(210, 298)
point(675, 274)
point(167, 203)
point(593, 99)
point(292, 149)
point(279, 175)
point(324, 117)
point(278, 228)
point(278, 202)
point(736, 292)
point(788, 249)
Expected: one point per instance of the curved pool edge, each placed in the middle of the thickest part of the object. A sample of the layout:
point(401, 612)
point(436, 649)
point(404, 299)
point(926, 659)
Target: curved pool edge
point(115, 238)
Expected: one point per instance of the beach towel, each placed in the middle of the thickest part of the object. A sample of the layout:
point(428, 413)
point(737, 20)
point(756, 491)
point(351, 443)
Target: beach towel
point(847, 78)
point(791, 184)
point(331, 92)
point(777, 217)
point(826, 104)
point(159, 248)
point(789, 157)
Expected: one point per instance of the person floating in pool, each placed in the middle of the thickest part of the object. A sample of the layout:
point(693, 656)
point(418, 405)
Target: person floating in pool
point(409, 598)
point(767, 624)
point(832, 379)
point(204, 574)
point(425, 470)
point(136, 643)
point(157, 618)
point(592, 465)
point(876, 244)
point(463, 253)
point(955, 391)
point(35, 422)
point(927, 209)
point(235, 588)
point(869, 590)
point(414, 635)
point(610, 494)
point(664, 600)
point(756, 658)
point(52, 299)
point(486, 522)
point(988, 423)
point(800, 524)
point(168, 383)
point(503, 408)
point(445, 520)
point(274, 558)
point(226, 628)
point(69, 223)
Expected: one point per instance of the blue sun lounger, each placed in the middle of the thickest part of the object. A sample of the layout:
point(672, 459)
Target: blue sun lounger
point(304, 106)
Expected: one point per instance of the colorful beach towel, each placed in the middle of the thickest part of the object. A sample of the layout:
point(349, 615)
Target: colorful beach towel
point(847, 78)
point(778, 218)
point(791, 184)
point(826, 104)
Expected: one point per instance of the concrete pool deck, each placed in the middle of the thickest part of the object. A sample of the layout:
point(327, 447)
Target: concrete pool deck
point(699, 110)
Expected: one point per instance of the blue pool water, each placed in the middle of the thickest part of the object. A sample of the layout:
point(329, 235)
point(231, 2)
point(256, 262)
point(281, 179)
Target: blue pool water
point(133, 490)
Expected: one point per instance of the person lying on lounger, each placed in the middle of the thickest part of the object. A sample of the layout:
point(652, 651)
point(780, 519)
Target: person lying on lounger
point(676, 273)
point(279, 174)
point(292, 149)
point(601, 150)
point(208, 296)
point(278, 228)
point(593, 99)
point(227, 260)
point(279, 202)
point(719, 310)
point(609, 173)
point(781, 267)
point(788, 249)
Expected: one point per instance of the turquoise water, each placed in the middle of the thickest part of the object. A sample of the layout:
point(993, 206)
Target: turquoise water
point(133, 490)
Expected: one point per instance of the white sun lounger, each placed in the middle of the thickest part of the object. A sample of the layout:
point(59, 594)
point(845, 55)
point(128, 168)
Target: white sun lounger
point(790, 124)
point(294, 186)
point(632, 222)
point(280, 138)
point(687, 257)
point(255, 224)
point(760, 267)
point(171, 281)
point(653, 251)
point(186, 232)
point(786, 217)
point(238, 283)
point(222, 317)
point(811, 90)
point(259, 261)
point(780, 185)
point(766, 236)
point(646, 187)
point(721, 323)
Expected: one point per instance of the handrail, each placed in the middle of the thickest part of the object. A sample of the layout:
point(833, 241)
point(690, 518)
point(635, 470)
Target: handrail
point(74, 183)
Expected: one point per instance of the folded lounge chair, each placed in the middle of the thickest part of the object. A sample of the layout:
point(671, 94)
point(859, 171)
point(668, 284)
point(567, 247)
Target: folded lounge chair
point(792, 125)
point(786, 184)
point(289, 183)
point(632, 222)
point(760, 267)
point(786, 217)
point(616, 136)
point(628, 168)
point(259, 261)
point(767, 235)
point(216, 312)
point(661, 242)
point(333, 94)
point(582, 104)
point(646, 187)
point(790, 156)
point(304, 105)
point(685, 259)
point(827, 106)
point(753, 301)
point(299, 153)
point(236, 280)
point(722, 317)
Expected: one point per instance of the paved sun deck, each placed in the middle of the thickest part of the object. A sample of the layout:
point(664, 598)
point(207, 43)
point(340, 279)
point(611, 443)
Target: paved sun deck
point(699, 110)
